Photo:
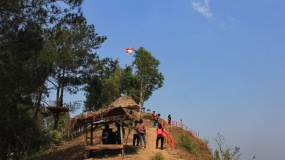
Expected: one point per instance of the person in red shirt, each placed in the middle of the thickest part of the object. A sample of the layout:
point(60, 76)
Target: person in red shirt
point(160, 133)
point(142, 131)
point(153, 115)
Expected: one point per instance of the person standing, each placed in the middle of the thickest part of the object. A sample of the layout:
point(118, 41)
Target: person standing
point(156, 120)
point(153, 117)
point(105, 135)
point(169, 119)
point(136, 135)
point(118, 133)
point(142, 131)
point(160, 134)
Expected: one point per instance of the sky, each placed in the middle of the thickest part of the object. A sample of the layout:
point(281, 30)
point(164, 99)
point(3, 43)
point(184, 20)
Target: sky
point(223, 64)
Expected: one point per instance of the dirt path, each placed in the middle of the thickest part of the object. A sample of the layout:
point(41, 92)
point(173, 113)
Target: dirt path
point(74, 149)
point(141, 153)
point(150, 150)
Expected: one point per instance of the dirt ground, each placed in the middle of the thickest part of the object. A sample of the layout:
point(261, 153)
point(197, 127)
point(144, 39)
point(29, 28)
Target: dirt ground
point(139, 153)
point(74, 149)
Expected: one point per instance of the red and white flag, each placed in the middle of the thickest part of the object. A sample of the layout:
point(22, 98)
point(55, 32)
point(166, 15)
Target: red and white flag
point(129, 50)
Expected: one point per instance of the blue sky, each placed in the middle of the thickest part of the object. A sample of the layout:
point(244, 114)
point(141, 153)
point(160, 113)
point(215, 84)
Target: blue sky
point(223, 63)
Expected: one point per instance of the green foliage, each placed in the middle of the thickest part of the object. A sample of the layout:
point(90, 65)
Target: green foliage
point(216, 155)
point(103, 85)
point(185, 142)
point(226, 153)
point(25, 68)
point(158, 156)
point(56, 137)
point(110, 81)
point(130, 83)
point(147, 71)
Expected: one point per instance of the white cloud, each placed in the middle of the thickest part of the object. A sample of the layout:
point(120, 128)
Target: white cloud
point(202, 6)
point(232, 21)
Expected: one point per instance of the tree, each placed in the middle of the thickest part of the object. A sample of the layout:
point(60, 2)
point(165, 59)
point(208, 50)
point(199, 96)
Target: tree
point(216, 155)
point(16, 14)
point(102, 85)
point(228, 153)
point(68, 50)
point(148, 73)
point(111, 81)
point(22, 70)
point(130, 84)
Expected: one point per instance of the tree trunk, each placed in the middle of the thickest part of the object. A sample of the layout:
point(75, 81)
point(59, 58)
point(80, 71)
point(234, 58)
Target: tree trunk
point(38, 105)
point(56, 119)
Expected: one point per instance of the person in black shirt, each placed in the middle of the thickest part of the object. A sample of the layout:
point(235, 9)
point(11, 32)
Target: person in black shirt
point(169, 119)
point(105, 135)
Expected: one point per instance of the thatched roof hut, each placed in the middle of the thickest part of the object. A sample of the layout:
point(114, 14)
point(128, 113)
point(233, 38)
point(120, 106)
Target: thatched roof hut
point(123, 108)
point(126, 102)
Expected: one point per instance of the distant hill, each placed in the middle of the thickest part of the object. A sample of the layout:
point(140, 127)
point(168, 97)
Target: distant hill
point(74, 149)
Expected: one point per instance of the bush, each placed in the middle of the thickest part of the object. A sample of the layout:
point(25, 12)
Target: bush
point(158, 156)
point(185, 142)
point(56, 137)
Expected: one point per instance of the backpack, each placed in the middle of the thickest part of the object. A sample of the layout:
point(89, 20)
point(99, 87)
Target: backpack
point(159, 132)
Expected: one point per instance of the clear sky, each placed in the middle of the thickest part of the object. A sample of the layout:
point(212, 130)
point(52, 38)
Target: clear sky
point(223, 63)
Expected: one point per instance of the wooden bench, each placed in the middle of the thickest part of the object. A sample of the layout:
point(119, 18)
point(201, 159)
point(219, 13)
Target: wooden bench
point(103, 146)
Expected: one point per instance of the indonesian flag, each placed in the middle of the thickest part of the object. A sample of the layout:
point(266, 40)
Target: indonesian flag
point(129, 50)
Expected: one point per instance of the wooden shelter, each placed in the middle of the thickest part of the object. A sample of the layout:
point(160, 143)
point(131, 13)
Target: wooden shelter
point(124, 108)
point(55, 111)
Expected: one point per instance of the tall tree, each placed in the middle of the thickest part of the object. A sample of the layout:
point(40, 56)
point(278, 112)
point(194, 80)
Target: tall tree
point(130, 83)
point(22, 71)
point(147, 70)
point(69, 50)
point(103, 85)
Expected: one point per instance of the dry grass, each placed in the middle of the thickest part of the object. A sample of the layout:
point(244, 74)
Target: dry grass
point(203, 151)
point(74, 149)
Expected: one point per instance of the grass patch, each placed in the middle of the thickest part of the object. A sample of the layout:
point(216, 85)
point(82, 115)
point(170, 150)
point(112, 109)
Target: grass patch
point(158, 156)
point(186, 143)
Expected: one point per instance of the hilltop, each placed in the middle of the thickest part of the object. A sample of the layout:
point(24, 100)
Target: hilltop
point(74, 149)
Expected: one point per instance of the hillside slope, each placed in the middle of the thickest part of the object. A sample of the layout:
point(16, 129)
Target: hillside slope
point(74, 149)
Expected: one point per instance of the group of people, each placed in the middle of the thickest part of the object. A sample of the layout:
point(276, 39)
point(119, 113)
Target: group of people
point(139, 132)
point(155, 118)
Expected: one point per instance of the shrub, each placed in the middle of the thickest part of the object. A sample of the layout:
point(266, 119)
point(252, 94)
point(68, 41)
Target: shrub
point(158, 156)
point(185, 142)
point(56, 137)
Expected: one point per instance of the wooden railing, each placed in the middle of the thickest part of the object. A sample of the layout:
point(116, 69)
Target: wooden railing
point(168, 138)
point(184, 127)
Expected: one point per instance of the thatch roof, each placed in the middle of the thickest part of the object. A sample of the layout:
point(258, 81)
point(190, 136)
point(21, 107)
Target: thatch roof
point(124, 108)
point(124, 101)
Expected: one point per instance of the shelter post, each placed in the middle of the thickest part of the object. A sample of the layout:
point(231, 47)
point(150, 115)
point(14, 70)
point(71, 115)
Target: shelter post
point(91, 134)
point(122, 141)
point(86, 134)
